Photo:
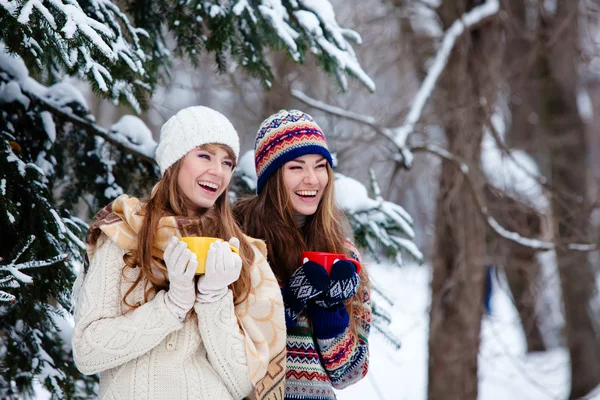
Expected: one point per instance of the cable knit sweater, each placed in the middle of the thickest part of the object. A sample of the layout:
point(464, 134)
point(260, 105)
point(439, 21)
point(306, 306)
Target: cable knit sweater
point(148, 353)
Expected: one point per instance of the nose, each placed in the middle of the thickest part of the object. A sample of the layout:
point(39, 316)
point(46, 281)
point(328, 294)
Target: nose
point(216, 168)
point(310, 177)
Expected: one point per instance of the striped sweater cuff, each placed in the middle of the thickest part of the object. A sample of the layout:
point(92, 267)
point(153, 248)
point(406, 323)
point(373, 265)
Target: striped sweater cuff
point(329, 322)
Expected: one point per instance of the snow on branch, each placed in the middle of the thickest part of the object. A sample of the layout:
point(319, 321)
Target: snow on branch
point(65, 102)
point(35, 264)
point(469, 19)
point(380, 226)
point(86, 42)
point(516, 159)
point(490, 221)
point(24, 248)
point(353, 116)
point(318, 20)
point(408, 150)
point(399, 135)
point(127, 141)
point(299, 26)
point(403, 152)
point(15, 270)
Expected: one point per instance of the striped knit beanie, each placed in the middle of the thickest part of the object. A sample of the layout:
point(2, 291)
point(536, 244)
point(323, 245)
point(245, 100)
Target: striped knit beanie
point(284, 136)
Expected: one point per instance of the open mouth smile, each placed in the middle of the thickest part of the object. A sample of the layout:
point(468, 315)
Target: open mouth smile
point(209, 187)
point(307, 195)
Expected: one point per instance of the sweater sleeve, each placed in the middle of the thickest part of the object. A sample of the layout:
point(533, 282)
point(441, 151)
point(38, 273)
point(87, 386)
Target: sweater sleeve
point(345, 355)
point(224, 343)
point(104, 337)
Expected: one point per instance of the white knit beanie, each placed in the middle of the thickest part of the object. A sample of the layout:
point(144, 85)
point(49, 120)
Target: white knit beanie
point(190, 128)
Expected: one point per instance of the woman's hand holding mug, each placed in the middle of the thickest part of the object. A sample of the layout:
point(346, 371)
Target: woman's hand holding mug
point(181, 266)
point(223, 267)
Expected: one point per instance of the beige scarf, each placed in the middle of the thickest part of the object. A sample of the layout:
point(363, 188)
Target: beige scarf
point(260, 315)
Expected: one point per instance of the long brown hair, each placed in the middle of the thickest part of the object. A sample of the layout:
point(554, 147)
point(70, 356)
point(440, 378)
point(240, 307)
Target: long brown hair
point(270, 216)
point(167, 199)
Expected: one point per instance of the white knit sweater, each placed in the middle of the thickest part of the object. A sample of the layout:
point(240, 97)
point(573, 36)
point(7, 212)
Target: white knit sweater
point(147, 353)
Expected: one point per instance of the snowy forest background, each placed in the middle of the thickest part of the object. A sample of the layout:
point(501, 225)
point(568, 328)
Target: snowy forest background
point(467, 142)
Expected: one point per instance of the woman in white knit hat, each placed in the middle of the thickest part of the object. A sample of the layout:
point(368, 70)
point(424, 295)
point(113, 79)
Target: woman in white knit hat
point(143, 320)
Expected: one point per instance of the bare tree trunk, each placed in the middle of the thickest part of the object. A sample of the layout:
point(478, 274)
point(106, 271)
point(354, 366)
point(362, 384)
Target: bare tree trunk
point(525, 131)
point(278, 96)
point(520, 263)
point(568, 150)
point(523, 275)
point(521, 266)
point(459, 250)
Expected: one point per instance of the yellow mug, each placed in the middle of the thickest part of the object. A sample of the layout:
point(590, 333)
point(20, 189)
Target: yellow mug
point(199, 245)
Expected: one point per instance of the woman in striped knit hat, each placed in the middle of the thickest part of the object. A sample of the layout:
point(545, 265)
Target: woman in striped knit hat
point(327, 316)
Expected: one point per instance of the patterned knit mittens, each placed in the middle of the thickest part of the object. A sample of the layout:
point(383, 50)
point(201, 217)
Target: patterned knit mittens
point(328, 313)
point(343, 284)
point(306, 283)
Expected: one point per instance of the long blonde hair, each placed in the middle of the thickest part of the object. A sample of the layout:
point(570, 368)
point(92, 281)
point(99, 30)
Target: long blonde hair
point(270, 216)
point(167, 199)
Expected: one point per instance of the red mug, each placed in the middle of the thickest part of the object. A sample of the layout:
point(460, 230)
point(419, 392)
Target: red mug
point(327, 259)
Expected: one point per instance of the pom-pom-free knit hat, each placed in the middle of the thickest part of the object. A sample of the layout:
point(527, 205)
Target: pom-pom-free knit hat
point(190, 128)
point(283, 137)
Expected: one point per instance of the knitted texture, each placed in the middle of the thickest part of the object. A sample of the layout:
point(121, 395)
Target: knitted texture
point(343, 284)
point(317, 363)
point(259, 322)
point(330, 355)
point(190, 128)
point(146, 352)
point(328, 322)
point(283, 137)
point(307, 282)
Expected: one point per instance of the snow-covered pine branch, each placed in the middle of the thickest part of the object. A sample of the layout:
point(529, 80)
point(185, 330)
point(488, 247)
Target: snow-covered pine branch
point(382, 227)
point(124, 60)
point(16, 270)
point(242, 33)
point(7, 282)
point(39, 252)
point(96, 41)
point(380, 324)
point(64, 102)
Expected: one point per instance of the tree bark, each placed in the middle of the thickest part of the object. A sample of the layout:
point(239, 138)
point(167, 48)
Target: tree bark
point(521, 266)
point(565, 130)
point(523, 275)
point(278, 96)
point(459, 248)
point(520, 263)
point(525, 131)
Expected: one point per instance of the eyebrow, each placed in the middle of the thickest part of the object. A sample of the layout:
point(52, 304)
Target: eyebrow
point(203, 149)
point(214, 153)
point(304, 162)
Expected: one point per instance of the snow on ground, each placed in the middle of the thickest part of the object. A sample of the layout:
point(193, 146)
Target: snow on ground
point(505, 371)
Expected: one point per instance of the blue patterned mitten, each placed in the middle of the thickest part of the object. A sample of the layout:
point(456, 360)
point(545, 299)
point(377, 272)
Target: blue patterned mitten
point(307, 282)
point(343, 284)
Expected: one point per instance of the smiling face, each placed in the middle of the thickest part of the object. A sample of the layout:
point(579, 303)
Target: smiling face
point(305, 179)
point(204, 175)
